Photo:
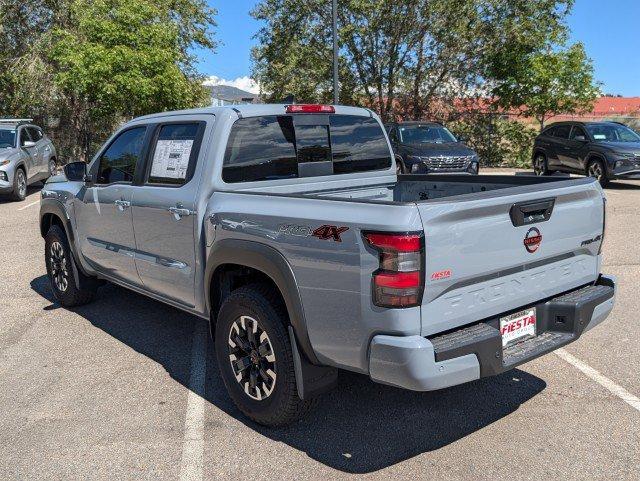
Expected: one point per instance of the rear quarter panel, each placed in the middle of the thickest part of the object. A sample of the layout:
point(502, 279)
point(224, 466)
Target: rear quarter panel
point(333, 278)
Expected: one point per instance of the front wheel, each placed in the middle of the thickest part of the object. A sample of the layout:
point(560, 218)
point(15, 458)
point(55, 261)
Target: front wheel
point(70, 287)
point(596, 170)
point(255, 358)
point(19, 185)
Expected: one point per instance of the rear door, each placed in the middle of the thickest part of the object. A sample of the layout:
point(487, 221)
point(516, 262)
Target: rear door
point(39, 160)
point(164, 210)
point(481, 263)
point(30, 152)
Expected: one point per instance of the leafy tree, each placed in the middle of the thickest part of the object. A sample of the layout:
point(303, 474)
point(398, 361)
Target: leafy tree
point(404, 58)
point(549, 83)
point(94, 63)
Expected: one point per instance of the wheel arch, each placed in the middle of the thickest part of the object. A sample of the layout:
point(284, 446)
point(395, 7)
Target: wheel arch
point(52, 212)
point(539, 150)
point(591, 156)
point(232, 263)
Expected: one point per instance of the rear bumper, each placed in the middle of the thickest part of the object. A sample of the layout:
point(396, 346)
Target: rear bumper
point(472, 352)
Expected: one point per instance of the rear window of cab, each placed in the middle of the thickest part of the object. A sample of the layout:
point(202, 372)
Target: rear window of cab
point(290, 146)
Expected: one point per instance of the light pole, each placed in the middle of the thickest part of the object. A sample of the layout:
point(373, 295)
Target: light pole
point(334, 15)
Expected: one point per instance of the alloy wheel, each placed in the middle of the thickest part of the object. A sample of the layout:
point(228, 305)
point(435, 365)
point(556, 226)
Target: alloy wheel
point(595, 170)
point(538, 165)
point(22, 183)
point(252, 358)
point(58, 264)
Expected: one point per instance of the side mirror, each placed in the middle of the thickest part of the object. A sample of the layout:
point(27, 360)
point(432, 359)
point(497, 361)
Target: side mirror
point(76, 171)
point(28, 143)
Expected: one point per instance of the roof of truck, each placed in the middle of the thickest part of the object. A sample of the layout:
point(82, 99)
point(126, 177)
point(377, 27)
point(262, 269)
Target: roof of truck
point(253, 110)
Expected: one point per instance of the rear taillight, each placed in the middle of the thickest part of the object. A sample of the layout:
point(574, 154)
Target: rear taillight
point(310, 109)
point(399, 282)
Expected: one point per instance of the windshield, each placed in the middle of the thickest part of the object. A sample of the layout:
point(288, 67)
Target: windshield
point(7, 138)
point(425, 134)
point(612, 133)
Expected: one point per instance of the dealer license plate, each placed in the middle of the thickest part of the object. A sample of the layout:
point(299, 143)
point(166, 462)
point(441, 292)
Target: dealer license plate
point(518, 325)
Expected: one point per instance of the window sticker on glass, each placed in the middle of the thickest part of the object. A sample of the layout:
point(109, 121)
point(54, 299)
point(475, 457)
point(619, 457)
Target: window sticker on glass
point(599, 136)
point(171, 158)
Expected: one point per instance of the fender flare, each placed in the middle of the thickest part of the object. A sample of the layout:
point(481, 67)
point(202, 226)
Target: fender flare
point(596, 155)
point(23, 164)
point(54, 207)
point(272, 263)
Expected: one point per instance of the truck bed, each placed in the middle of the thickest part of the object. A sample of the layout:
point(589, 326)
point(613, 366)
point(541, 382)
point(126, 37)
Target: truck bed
point(416, 188)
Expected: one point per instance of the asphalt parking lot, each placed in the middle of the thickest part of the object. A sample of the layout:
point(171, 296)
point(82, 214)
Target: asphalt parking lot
point(128, 388)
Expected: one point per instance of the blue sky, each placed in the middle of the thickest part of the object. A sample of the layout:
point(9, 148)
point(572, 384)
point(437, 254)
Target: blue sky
point(608, 28)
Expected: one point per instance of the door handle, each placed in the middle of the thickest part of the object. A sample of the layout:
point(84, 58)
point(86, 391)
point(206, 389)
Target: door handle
point(180, 212)
point(122, 204)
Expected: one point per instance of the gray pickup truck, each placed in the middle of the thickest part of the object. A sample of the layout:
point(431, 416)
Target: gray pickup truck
point(287, 228)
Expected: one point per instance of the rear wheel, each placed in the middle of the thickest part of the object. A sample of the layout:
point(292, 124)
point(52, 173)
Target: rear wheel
point(255, 358)
point(53, 167)
point(597, 170)
point(70, 287)
point(540, 166)
point(19, 185)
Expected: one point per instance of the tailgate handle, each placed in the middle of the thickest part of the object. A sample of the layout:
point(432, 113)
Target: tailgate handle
point(526, 213)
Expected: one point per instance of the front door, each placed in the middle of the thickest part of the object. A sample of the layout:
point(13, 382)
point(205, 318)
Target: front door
point(164, 212)
point(575, 151)
point(103, 210)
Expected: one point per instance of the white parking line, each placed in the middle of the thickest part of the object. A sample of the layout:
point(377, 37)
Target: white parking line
point(193, 443)
point(29, 205)
point(605, 382)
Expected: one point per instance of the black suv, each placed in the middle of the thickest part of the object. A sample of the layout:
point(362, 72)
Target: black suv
point(604, 150)
point(428, 147)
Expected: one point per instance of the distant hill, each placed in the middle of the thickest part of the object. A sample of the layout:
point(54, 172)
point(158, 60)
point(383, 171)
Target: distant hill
point(227, 92)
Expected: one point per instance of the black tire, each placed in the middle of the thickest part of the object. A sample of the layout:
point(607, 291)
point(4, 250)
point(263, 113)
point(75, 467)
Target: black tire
point(68, 290)
point(19, 185)
point(281, 405)
point(540, 165)
point(597, 170)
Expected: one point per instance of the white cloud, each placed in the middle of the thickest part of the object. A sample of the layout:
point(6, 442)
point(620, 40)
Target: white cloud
point(244, 83)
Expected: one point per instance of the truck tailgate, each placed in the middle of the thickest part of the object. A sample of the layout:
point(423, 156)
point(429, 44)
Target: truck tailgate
point(478, 264)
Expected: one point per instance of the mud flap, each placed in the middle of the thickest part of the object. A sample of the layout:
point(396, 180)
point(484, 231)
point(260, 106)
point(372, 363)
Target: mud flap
point(311, 380)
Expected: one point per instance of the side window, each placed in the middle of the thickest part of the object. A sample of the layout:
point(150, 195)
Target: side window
point(118, 162)
point(175, 153)
point(35, 133)
point(357, 144)
point(260, 148)
point(578, 133)
point(562, 131)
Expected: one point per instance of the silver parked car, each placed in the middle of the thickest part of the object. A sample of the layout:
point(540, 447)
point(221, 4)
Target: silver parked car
point(27, 156)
